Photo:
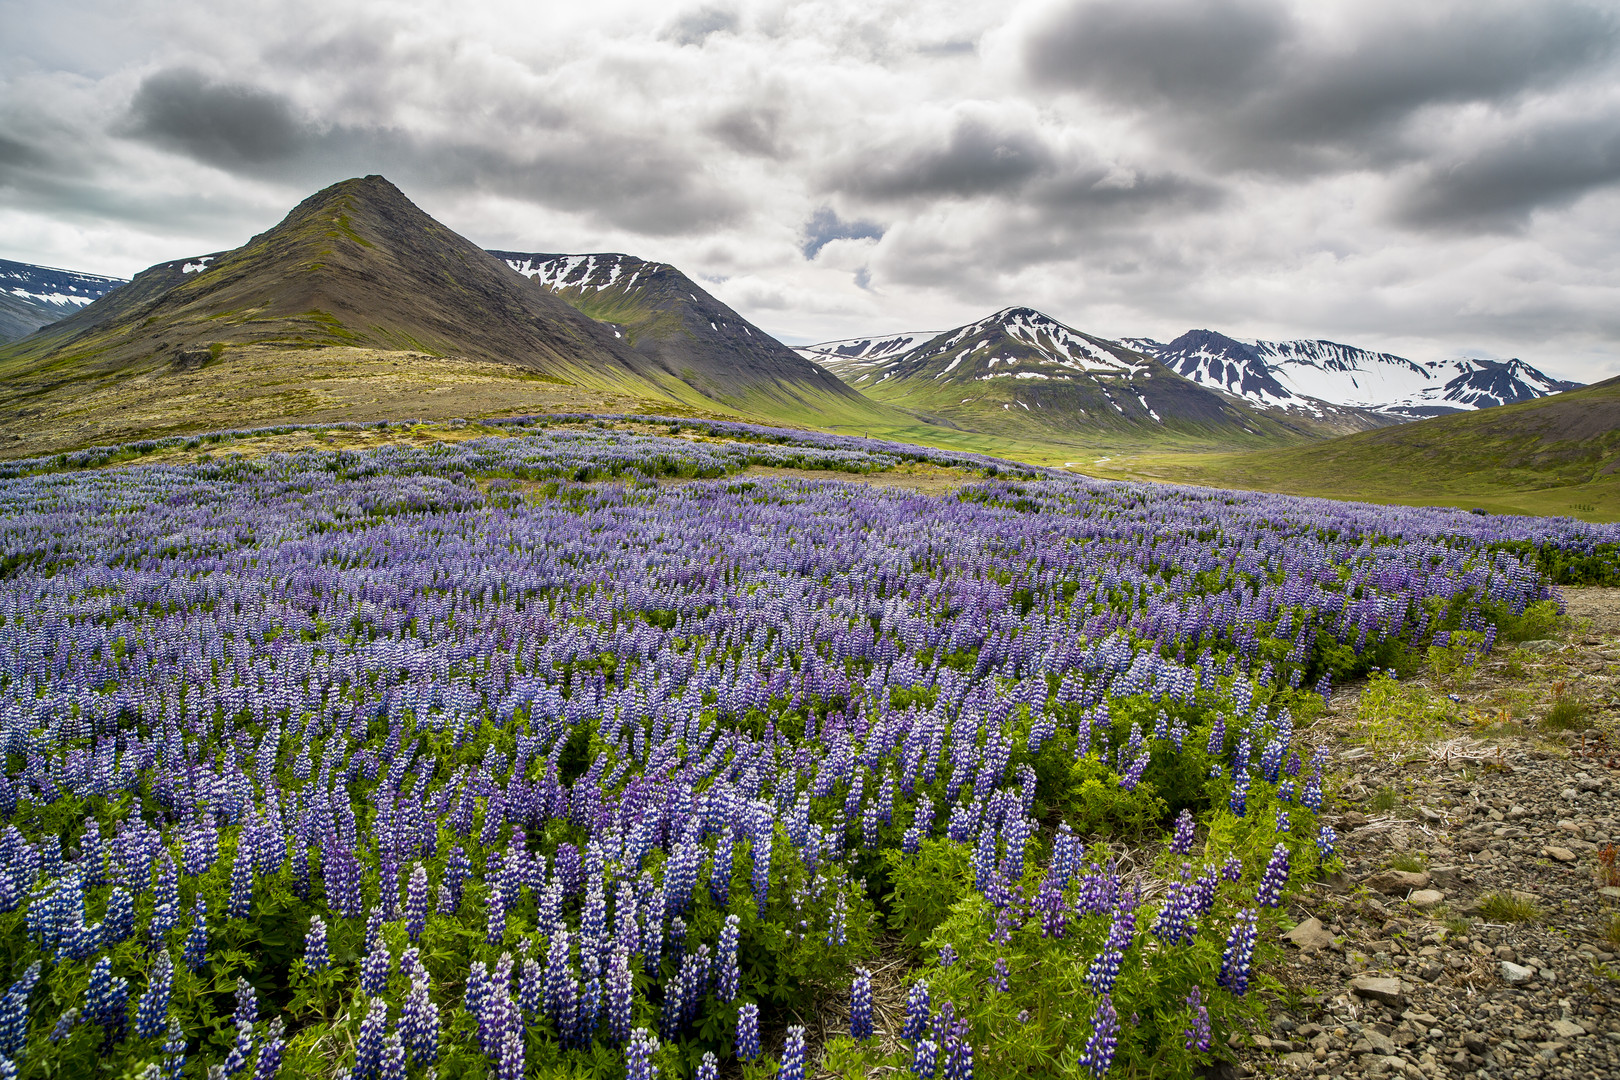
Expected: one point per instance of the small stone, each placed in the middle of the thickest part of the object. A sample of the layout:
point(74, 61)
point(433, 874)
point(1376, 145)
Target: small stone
point(1539, 645)
point(1387, 991)
point(1427, 814)
point(1426, 898)
point(1567, 1029)
point(1396, 882)
point(1562, 854)
point(1310, 935)
point(1569, 793)
point(1516, 973)
point(1609, 892)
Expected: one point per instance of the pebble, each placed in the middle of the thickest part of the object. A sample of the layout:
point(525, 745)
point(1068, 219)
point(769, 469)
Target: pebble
point(1516, 973)
point(1387, 991)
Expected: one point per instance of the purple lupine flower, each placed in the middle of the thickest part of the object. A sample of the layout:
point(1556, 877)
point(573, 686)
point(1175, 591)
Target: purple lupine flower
point(708, 1068)
point(923, 1058)
point(1286, 791)
point(1217, 738)
point(1282, 821)
point(456, 871)
point(510, 1065)
point(728, 974)
point(532, 987)
point(1098, 1054)
point(747, 1032)
point(393, 1057)
point(1197, 1033)
point(368, 1048)
point(956, 1054)
point(999, 976)
point(918, 1011)
point(174, 1052)
point(1274, 878)
point(375, 970)
point(1234, 974)
point(1232, 869)
point(947, 955)
point(1326, 839)
point(495, 928)
point(1182, 841)
point(315, 954)
point(195, 953)
point(620, 984)
point(119, 922)
point(270, 1051)
point(1105, 968)
point(416, 903)
point(14, 1013)
point(638, 1054)
point(106, 1001)
point(792, 1067)
point(1239, 801)
point(240, 905)
point(419, 1024)
point(152, 1014)
point(860, 1005)
point(64, 1025)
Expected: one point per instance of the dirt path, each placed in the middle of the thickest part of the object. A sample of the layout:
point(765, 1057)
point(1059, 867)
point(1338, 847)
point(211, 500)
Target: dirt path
point(1474, 932)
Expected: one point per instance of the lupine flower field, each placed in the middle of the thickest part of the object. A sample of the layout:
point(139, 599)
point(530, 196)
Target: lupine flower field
point(513, 757)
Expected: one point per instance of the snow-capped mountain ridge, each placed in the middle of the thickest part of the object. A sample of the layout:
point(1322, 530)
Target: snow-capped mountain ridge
point(34, 296)
point(1307, 374)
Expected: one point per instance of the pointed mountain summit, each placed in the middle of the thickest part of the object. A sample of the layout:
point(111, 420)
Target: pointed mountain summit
point(359, 265)
point(668, 320)
point(354, 264)
point(1020, 367)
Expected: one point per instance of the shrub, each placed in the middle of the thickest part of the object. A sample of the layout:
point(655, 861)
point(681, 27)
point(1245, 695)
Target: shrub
point(1509, 908)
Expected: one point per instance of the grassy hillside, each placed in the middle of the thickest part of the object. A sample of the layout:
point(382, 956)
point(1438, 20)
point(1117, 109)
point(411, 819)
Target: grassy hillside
point(1556, 455)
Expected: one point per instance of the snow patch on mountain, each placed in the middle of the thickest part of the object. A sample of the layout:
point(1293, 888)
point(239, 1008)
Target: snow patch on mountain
point(1307, 375)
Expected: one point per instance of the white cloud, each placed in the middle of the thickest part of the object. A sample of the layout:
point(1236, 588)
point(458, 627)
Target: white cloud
point(1427, 178)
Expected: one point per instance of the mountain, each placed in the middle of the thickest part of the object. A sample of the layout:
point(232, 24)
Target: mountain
point(1558, 454)
point(678, 327)
point(1019, 368)
point(358, 265)
point(1318, 375)
point(34, 296)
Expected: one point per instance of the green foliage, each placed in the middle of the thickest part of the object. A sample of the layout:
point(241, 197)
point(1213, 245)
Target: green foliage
point(926, 886)
point(1392, 713)
point(1454, 664)
point(1509, 908)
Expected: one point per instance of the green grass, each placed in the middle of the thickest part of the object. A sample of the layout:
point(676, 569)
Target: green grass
point(1409, 862)
point(1567, 713)
point(1508, 908)
point(1384, 801)
point(1611, 932)
point(1556, 456)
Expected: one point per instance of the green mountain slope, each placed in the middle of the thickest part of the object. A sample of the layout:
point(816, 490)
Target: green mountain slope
point(1557, 454)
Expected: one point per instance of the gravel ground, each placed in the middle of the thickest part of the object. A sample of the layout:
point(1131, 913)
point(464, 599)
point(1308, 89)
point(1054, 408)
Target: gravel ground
point(1409, 963)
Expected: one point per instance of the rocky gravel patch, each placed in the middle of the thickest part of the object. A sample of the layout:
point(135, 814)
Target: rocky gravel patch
point(1472, 932)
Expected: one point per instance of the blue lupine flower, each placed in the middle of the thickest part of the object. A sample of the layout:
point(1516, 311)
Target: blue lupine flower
point(152, 1014)
point(195, 953)
point(1098, 1053)
point(270, 1051)
point(375, 970)
point(747, 1032)
point(1326, 839)
point(315, 954)
point(1182, 841)
point(638, 1055)
point(1234, 974)
point(368, 1048)
point(860, 1005)
point(1274, 878)
point(792, 1067)
point(924, 1058)
point(918, 1011)
point(1198, 1032)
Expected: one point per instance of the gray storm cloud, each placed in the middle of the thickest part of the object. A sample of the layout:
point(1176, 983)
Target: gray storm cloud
point(1416, 177)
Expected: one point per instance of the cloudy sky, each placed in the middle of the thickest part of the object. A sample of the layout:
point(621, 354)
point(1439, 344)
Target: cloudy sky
point(1437, 178)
